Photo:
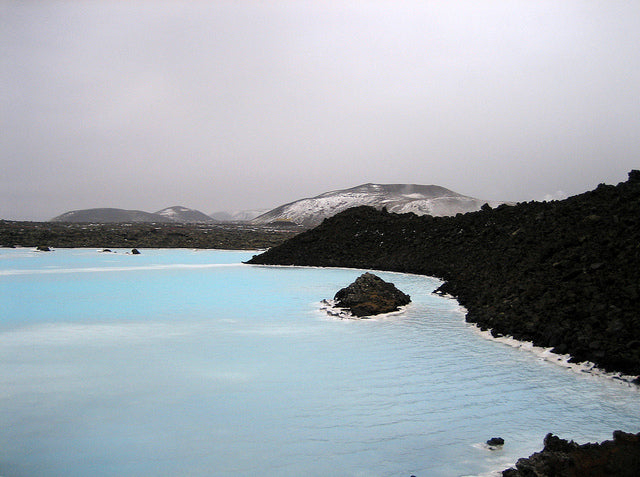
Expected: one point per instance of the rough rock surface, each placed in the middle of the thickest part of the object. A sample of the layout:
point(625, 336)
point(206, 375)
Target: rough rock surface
point(370, 295)
point(559, 458)
point(562, 274)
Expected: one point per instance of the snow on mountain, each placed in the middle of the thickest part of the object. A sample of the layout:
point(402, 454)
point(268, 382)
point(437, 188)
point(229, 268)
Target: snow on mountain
point(238, 215)
point(109, 215)
point(398, 198)
point(177, 214)
point(183, 215)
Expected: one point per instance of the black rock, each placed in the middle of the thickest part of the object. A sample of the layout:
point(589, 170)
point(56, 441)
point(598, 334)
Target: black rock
point(495, 441)
point(371, 295)
point(43, 248)
point(561, 458)
point(135, 251)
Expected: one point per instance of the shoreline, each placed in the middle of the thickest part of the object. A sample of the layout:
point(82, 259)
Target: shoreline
point(546, 353)
point(127, 250)
point(563, 274)
point(562, 360)
point(327, 306)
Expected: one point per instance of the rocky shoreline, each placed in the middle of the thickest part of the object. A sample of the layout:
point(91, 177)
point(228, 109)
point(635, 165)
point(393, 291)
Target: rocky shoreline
point(563, 275)
point(559, 457)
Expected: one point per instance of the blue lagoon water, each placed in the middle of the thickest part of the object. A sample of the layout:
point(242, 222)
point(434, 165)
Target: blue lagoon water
point(183, 362)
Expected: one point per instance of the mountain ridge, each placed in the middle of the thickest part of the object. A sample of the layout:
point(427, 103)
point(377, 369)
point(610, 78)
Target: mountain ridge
point(397, 198)
point(308, 212)
point(175, 214)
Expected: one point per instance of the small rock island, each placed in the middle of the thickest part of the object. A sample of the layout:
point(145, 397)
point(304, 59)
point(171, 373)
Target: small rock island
point(370, 295)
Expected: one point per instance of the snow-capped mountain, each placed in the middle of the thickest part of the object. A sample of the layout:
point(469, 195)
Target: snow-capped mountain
point(398, 198)
point(177, 214)
point(183, 215)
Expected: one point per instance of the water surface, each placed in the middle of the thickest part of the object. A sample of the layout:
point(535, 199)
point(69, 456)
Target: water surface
point(182, 362)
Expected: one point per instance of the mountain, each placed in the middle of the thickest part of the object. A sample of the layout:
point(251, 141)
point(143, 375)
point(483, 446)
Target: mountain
point(237, 215)
point(183, 215)
point(109, 215)
point(398, 198)
point(175, 214)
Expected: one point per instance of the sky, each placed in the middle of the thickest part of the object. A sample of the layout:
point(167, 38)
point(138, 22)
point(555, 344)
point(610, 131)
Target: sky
point(233, 105)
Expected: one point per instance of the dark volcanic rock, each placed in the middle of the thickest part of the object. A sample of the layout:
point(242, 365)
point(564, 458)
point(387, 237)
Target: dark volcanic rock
point(370, 295)
point(559, 458)
point(142, 235)
point(562, 274)
point(495, 441)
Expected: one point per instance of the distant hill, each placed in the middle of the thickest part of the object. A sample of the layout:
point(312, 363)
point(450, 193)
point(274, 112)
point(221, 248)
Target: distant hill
point(237, 215)
point(183, 215)
point(398, 198)
point(176, 214)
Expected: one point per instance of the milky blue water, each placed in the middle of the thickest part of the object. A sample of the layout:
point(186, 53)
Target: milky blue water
point(181, 362)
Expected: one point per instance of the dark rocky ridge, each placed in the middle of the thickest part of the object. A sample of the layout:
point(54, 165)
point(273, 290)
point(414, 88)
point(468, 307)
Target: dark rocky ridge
point(370, 295)
point(562, 274)
point(620, 457)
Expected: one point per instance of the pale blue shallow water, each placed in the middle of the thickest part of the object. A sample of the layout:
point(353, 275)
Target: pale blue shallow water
point(182, 362)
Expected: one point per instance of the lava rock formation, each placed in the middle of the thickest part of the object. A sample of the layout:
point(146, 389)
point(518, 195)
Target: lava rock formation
point(562, 274)
point(559, 458)
point(370, 295)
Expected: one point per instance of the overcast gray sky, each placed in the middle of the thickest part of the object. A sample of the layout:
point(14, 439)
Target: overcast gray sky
point(241, 104)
